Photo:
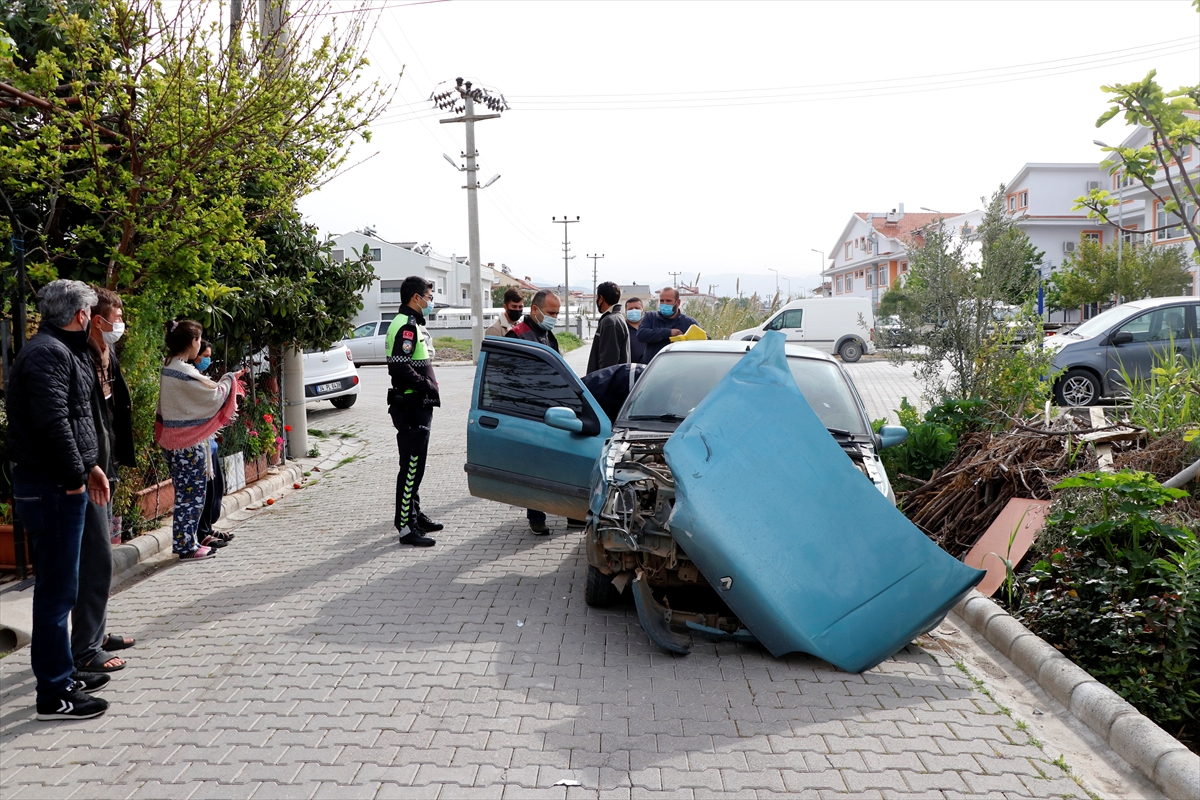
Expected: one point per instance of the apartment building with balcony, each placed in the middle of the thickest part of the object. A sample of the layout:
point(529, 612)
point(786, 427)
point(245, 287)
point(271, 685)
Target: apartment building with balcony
point(870, 254)
point(392, 262)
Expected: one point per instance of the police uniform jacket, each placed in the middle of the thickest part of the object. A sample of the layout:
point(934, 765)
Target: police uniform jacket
point(410, 364)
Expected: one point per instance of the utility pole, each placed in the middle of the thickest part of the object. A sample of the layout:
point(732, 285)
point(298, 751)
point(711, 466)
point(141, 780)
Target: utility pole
point(464, 105)
point(594, 274)
point(566, 300)
point(675, 278)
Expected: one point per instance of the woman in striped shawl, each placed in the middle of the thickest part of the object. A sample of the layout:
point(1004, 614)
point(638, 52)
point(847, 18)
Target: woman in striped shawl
point(191, 408)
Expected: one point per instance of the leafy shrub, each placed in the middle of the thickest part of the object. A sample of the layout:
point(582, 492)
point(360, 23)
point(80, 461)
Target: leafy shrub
point(931, 443)
point(960, 416)
point(1120, 595)
point(1169, 400)
point(568, 341)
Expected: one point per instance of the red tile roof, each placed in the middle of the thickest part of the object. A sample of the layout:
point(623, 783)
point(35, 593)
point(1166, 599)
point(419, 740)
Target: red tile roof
point(909, 223)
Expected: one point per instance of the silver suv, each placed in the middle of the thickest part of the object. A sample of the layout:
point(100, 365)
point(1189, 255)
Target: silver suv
point(1125, 340)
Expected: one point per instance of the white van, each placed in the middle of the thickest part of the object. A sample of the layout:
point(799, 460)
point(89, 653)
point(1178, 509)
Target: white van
point(837, 325)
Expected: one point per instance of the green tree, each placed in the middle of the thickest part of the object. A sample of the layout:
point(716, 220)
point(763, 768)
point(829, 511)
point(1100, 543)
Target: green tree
point(1095, 274)
point(1172, 132)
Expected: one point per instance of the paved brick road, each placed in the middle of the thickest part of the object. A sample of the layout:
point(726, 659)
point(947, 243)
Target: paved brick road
point(316, 658)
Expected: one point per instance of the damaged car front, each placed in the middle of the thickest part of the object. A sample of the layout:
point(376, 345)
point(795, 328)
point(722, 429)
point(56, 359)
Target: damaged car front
point(742, 544)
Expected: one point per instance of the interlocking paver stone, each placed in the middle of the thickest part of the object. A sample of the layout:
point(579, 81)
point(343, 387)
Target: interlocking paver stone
point(316, 658)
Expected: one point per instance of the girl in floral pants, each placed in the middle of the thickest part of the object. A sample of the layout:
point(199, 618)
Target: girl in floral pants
point(189, 474)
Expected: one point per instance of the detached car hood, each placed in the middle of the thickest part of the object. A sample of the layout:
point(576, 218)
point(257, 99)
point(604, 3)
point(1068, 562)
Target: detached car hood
point(808, 555)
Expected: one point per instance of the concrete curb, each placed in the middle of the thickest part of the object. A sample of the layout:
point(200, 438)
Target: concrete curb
point(1148, 748)
point(16, 608)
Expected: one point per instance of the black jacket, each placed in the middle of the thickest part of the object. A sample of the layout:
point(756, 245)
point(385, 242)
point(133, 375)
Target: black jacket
point(50, 428)
point(655, 331)
point(530, 331)
point(637, 349)
point(414, 386)
point(611, 343)
point(114, 419)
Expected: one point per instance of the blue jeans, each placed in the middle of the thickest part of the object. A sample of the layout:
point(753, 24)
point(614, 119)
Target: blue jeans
point(54, 520)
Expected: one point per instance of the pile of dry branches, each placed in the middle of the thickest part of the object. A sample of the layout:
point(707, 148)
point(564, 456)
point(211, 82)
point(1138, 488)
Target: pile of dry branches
point(961, 500)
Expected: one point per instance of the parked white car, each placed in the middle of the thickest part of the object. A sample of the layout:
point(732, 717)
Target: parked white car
point(331, 375)
point(844, 326)
point(368, 342)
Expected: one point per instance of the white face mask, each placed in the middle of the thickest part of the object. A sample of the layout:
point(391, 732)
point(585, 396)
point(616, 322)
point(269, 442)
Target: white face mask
point(114, 336)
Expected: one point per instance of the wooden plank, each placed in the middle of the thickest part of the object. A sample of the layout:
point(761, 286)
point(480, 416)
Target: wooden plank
point(1027, 518)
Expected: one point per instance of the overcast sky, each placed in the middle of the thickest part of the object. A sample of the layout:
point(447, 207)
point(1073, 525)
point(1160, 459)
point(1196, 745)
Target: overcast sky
point(727, 138)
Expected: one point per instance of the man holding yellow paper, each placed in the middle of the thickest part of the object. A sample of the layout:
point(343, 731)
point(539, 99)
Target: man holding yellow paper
point(657, 329)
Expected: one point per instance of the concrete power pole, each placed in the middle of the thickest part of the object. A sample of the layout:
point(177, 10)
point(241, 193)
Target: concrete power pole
point(273, 18)
point(594, 274)
point(464, 104)
point(566, 299)
point(675, 278)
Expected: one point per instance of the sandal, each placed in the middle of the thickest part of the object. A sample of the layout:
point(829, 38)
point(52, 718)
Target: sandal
point(199, 554)
point(213, 542)
point(224, 536)
point(114, 642)
point(101, 663)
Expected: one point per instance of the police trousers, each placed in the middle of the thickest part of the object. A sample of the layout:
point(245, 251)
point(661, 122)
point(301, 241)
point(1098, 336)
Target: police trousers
point(412, 441)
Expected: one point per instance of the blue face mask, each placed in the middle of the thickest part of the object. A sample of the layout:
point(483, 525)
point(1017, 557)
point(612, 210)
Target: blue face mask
point(666, 309)
point(548, 322)
point(204, 363)
point(634, 315)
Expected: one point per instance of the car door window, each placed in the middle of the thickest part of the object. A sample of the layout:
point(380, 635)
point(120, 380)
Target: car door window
point(364, 330)
point(792, 318)
point(525, 386)
point(1157, 326)
point(774, 324)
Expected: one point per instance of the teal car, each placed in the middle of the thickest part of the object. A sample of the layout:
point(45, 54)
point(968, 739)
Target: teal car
point(738, 496)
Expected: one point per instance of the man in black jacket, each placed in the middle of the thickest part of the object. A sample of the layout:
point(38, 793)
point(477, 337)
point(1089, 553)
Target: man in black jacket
point(112, 413)
point(610, 346)
point(538, 326)
point(411, 400)
point(53, 448)
point(656, 330)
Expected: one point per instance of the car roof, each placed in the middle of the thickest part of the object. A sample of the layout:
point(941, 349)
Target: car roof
point(725, 346)
point(1155, 302)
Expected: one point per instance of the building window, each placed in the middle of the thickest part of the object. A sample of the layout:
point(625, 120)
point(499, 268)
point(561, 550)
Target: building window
point(1132, 237)
point(967, 230)
point(1023, 200)
point(870, 278)
point(375, 254)
point(904, 266)
point(464, 297)
point(847, 251)
point(839, 284)
point(441, 285)
point(338, 256)
point(1164, 219)
point(849, 282)
point(389, 291)
point(1012, 203)
point(1093, 236)
point(883, 275)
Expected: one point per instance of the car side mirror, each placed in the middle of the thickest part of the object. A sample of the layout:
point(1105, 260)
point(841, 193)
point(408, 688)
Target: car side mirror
point(892, 436)
point(563, 418)
point(1120, 338)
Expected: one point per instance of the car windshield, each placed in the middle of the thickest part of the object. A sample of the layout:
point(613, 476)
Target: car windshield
point(677, 382)
point(1102, 322)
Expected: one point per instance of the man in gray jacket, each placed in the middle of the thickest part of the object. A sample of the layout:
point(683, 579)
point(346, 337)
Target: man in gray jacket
point(53, 447)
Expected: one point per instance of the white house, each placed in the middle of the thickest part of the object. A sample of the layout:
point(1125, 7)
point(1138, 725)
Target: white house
point(869, 255)
point(1137, 207)
point(395, 261)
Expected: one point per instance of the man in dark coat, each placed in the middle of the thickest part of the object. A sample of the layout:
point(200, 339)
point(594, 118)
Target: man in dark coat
point(633, 319)
point(112, 413)
point(411, 400)
point(657, 329)
point(610, 345)
point(53, 448)
point(538, 326)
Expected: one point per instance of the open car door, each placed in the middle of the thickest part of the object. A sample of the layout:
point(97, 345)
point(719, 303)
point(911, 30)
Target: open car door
point(535, 433)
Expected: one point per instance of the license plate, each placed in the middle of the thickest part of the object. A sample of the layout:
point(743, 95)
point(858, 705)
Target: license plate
point(329, 387)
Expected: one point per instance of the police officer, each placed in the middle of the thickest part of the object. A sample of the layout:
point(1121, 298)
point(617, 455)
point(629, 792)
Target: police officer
point(411, 400)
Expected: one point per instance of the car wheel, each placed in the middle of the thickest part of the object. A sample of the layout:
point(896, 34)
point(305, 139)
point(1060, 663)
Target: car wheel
point(599, 591)
point(851, 351)
point(345, 401)
point(1077, 388)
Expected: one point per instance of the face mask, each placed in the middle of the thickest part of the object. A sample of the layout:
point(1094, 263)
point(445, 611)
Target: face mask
point(634, 315)
point(204, 363)
point(666, 309)
point(513, 316)
point(547, 322)
point(114, 336)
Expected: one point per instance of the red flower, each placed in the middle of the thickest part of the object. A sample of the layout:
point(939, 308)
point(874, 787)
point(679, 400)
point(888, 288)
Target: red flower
point(287, 428)
point(268, 418)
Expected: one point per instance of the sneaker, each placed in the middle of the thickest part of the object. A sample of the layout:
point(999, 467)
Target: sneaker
point(426, 525)
point(88, 681)
point(199, 554)
point(413, 536)
point(71, 705)
point(539, 528)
